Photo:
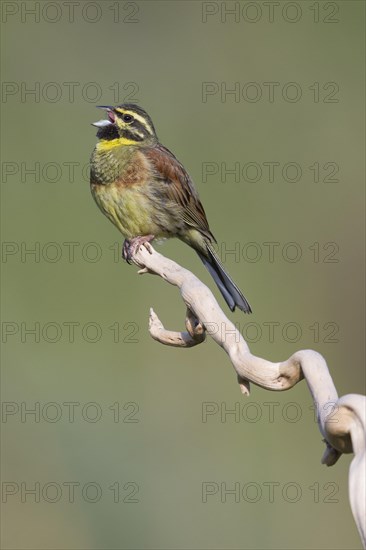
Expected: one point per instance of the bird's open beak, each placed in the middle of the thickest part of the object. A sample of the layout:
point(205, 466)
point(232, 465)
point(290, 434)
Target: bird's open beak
point(111, 116)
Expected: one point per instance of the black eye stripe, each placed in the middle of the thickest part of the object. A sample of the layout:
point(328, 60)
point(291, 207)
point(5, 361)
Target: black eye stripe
point(141, 125)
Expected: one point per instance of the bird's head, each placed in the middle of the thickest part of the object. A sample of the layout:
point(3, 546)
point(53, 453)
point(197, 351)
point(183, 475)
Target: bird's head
point(127, 124)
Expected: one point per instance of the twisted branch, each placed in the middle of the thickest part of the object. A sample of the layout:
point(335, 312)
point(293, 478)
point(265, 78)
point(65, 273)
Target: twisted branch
point(341, 421)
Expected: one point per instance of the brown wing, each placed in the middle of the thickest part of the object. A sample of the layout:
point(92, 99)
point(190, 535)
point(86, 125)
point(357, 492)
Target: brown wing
point(179, 187)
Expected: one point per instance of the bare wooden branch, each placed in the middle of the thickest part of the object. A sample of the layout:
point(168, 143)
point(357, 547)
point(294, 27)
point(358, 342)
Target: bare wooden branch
point(195, 332)
point(342, 422)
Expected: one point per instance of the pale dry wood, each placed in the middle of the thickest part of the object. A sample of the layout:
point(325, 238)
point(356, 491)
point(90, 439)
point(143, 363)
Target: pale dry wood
point(342, 422)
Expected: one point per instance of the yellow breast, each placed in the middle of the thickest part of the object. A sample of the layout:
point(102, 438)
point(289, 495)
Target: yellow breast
point(125, 188)
point(128, 207)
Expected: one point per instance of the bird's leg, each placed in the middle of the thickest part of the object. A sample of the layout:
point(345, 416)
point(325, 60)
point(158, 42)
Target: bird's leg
point(130, 246)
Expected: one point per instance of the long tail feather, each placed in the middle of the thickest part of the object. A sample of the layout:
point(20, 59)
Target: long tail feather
point(231, 293)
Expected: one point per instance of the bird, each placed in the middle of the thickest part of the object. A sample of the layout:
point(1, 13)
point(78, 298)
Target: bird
point(145, 191)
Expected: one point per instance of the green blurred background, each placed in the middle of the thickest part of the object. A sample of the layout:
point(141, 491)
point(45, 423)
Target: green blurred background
point(149, 438)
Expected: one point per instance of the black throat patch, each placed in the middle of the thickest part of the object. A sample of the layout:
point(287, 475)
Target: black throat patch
point(108, 132)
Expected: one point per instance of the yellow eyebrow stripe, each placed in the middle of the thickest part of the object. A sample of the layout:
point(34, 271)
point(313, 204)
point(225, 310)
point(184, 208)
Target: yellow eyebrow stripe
point(137, 117)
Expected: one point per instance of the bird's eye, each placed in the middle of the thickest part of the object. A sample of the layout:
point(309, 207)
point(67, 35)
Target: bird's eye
point(127, 118)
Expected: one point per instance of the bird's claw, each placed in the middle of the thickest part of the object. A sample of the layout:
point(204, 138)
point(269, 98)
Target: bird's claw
point(130, 246)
